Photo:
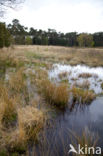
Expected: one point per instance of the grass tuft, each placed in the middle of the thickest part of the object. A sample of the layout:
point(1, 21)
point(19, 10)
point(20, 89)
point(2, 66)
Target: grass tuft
point(56, 95)
point(17, 82)
point(85, 75)
point(30, 121)
point(82, 96)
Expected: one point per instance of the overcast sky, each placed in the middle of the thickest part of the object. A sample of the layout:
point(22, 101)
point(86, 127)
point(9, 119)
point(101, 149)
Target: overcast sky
point(62, 15)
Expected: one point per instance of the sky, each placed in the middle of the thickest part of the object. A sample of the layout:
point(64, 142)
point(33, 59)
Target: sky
point(62, 15)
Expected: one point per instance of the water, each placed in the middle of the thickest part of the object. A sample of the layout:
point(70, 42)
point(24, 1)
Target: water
point(76, 118)
point(73, 72)
point(87, 117)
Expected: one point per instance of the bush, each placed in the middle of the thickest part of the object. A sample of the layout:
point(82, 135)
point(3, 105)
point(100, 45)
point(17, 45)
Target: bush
point(5, 37)
point(28, 40)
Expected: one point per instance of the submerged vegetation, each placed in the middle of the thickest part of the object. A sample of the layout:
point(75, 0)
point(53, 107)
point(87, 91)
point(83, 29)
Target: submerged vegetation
point(87, 140)
point(28, 94)
point(82, 96)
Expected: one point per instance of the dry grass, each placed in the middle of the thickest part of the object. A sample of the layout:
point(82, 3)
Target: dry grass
point(63, 75)
point(7, 107)
point(82, 96)
point(86, 138)
point(73, 56)
point(30, 121)
point(7, 111)
point(85, 75)
point(17, 82)
point(11, 143)
point(57, 95)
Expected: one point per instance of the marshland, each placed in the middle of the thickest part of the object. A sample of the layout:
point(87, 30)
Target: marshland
point(50, 97)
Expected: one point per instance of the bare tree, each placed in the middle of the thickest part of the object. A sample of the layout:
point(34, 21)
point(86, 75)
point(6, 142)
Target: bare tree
point(5, 4)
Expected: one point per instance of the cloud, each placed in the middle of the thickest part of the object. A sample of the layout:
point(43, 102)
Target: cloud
point(62, 15)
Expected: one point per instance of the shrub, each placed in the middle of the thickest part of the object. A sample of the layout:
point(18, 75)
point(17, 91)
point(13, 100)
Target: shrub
point(28, 40)
point(4, 36)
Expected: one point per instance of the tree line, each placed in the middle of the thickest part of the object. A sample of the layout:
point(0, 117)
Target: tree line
point(18, 34)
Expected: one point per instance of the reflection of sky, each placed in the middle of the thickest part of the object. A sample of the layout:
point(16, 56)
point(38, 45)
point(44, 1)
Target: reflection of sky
point(89, 119)
point(91, 116)
point(74, 71)
point(96, 110)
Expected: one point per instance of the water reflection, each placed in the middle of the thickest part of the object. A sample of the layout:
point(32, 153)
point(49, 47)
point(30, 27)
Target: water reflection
point(76, 119)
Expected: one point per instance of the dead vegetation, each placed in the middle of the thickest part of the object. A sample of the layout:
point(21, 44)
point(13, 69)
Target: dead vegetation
point(85, 75)
point(86, 140)
point(30, 122)
point(63, 75)
point(82, 96)
point(57, 95)
point(21, 119)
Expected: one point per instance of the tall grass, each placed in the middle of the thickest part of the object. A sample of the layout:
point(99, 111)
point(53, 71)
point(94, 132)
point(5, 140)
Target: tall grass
point(87, 138)
point(17, 82)
point(30, 122)
point(57, 95)
point(82, 96)
point(7, 106)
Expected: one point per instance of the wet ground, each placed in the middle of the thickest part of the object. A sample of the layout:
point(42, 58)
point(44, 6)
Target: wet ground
point(76, 118)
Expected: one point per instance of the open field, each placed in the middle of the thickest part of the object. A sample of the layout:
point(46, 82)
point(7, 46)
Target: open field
point(52, 54)
point(44, 93)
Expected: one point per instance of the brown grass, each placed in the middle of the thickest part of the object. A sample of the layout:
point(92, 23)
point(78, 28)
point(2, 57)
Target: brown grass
point(30, 121)
point(63, 75)
point(7, 106)
point(73, 56)
point(17, 82)
point(82, 96)
point(85, 75)
point(87, 138)
point(57, 95)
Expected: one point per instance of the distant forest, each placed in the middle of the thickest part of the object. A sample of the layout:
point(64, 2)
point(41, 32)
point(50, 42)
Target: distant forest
point(18, 34)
